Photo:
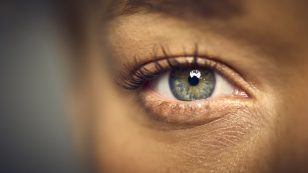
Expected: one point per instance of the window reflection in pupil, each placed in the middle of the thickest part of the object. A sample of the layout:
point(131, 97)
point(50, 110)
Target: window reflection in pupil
point(193, 81)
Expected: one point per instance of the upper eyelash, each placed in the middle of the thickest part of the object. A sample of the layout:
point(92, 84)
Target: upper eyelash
point(142, 75)
point(137, 75)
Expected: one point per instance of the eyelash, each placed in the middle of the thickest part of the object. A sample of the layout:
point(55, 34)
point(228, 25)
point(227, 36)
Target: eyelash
point(138, 74)
point(138, 77)
point(142, 75)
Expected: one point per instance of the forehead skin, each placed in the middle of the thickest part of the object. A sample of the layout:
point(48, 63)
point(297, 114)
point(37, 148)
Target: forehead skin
point(273, 38)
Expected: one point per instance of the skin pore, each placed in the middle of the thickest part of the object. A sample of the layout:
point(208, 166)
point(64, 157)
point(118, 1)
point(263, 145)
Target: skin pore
point(260, 46)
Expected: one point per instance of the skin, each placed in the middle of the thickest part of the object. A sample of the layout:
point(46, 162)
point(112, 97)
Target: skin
point(266, 44)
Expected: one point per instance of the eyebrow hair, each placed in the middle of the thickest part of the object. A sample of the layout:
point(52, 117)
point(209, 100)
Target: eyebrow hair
point(216, 9)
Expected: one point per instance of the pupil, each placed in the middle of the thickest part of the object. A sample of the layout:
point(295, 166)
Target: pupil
point(193, 80)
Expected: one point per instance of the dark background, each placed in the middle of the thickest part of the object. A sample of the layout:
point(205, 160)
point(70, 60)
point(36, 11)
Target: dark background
point(35, 134)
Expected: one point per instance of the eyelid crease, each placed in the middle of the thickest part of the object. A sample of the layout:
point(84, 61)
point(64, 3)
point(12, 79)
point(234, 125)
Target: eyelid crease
point(140, 74)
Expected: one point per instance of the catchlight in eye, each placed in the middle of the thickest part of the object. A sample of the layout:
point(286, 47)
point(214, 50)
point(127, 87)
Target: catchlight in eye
point(192, 84)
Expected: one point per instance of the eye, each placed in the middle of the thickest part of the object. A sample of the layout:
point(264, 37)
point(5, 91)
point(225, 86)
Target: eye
point(190, 84)
point(188, 90)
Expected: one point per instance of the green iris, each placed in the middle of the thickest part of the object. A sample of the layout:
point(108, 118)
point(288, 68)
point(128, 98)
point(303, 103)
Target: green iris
point(192, 84)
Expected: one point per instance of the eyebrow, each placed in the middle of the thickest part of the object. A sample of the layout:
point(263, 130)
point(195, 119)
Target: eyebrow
point(212, 9)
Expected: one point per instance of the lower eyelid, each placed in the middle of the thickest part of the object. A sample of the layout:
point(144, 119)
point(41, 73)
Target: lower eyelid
point(172, 111)
point(190, 113)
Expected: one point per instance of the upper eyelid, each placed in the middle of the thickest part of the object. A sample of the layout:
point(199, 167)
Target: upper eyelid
point(128, 81)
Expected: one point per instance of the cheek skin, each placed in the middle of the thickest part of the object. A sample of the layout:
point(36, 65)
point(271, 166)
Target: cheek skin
point(292, 139)
point(128, 141)
point(242, 141)
point(125, 143)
